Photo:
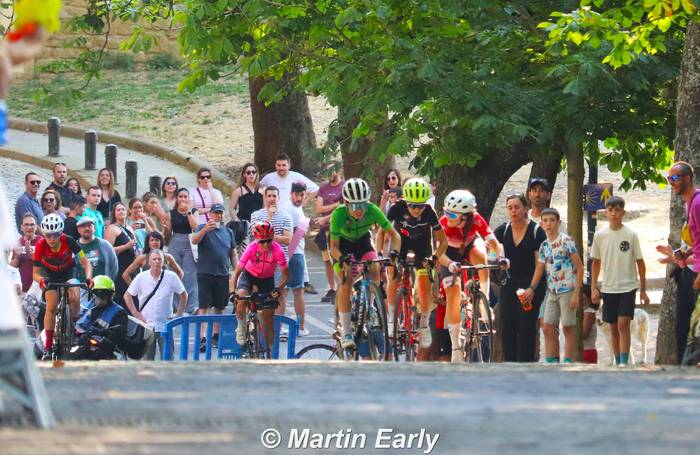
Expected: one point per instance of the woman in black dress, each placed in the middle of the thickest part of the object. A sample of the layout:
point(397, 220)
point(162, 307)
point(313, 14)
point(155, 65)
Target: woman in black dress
point(245, 199)
point(122, 238)
point(521, 239)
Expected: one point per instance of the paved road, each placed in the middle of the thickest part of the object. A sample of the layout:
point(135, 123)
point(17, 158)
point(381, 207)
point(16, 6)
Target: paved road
point(223, 407)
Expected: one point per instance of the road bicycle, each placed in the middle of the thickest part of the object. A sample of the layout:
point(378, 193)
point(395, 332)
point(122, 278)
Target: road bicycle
point(255, 347)
point(64, 331)
point(476, 325)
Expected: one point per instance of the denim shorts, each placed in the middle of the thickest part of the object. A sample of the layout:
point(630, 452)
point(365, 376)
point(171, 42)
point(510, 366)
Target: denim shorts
point(297, 265)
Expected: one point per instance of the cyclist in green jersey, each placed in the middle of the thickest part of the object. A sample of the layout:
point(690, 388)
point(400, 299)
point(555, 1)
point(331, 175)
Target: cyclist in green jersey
point(351, 238)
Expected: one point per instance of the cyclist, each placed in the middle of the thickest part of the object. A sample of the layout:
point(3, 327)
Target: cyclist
point(54, 262)
point(468, 235)
point(257, 268)
point(415, 221)
point(351, 238)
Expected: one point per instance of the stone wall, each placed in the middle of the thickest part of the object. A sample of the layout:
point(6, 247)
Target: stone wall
point(54, 49)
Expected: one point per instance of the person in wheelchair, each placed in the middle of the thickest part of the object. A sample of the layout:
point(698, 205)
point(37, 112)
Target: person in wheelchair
point(101, 330)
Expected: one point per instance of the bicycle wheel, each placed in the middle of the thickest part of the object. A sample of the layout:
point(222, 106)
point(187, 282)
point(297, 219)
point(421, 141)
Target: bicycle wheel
point(479, 339)
point(400, 344)
point(319, 351)
point(65, 329)
point(375, 324)
point(252, 345)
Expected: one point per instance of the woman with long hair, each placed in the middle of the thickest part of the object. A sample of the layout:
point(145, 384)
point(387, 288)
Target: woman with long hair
point(169, 192)
point(73, 186)
point(110, 196)
point(248, 196)
point(182, 221)
point(392, 180)
point(140, 223)
point(51, 203)
point(123, 239)
point(153, 210)
point(204, 195)
point(521, 239)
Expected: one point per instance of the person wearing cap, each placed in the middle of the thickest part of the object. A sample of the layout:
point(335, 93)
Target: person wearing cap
point(539, 195)
point(217, 254)
point(99, 253)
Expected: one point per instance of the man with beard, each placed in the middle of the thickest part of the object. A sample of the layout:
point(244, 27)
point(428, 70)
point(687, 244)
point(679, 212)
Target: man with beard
point(539, 194)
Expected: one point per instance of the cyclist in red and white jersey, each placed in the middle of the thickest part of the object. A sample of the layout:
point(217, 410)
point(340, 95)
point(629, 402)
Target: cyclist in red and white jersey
point(54, 262)
point(468, 235)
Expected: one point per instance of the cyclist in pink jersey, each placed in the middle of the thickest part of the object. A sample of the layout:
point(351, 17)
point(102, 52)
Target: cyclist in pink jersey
point(256, 268)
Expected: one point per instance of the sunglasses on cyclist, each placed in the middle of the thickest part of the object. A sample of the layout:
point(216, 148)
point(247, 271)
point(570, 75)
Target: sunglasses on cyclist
point(266, 241)
point(416, 206)
point(52, 235)
point(675, 178)
point(358, 206)
point(451, 215)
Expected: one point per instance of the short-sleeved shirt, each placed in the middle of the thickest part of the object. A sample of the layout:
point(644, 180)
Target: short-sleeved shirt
point(99, 221)
point(456, 237)
point(94, 254)
point(352, 229)
point(556, 256)
point(215, 251)
point(522, 255)
point(60, 261)
point(202, 198)
point(281, 221)
point(693, 215)
point(261, 263)
point(329, 194)
point(159, 307)
point(416, 233)
point(27, 203)
point(284, 184)
point(618, 252)
point(70, 227)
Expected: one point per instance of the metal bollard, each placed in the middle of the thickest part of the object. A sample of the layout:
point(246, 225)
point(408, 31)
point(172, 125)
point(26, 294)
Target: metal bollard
point(155, 184)
point(111, 160)
point(90, 149)
point(54, 127)
point(131, 178)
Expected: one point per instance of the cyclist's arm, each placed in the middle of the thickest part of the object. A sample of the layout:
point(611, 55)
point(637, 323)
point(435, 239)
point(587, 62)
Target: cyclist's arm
point(395, 237)
point(36, 274)
point(495, 245)
point(379, 241)
point(234, 277)
point(285, 277)
point(335, 248)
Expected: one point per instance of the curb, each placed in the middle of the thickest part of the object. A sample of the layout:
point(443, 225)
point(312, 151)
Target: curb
point(146, 147)
point(40, 162)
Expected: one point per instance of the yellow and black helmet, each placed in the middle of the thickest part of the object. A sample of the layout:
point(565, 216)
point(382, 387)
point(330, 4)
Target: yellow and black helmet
point(416, 191)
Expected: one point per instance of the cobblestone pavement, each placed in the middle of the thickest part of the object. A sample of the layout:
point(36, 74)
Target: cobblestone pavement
point(223, 407)
point(12, 177)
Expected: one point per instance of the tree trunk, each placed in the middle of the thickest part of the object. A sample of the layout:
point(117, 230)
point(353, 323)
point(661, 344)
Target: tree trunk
point(687, 145)
point(547, 168)
point(485, 180)
point(574, 184)
point(284, 126)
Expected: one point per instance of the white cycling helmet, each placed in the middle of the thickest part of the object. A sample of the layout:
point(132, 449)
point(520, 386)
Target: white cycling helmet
point(356, 190)
point(460, 201)
point(52, 224)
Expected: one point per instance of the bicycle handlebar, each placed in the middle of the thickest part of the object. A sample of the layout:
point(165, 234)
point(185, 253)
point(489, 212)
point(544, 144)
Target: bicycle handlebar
point(68, 285)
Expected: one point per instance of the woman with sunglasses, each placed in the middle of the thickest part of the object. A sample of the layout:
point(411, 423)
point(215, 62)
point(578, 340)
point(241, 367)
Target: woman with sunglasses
point(521, 239)
point(468, 236)
point(351, 238)
point(110, 196)
point(392, 180)
point(417, 223)
point(51, 203)
point(256, 268)
point(182, 221)
point(169, 192)
point(245, 199)
point(204, 195)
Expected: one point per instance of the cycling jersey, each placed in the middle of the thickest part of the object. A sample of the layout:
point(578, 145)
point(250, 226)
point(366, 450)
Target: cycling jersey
point(57, 262)
point(343, 225)
point(260, 263)
point(415, 232)
point(456, 237)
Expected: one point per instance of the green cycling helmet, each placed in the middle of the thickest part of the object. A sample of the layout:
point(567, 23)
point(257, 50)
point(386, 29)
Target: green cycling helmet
point(103, 282)
point(416, 191)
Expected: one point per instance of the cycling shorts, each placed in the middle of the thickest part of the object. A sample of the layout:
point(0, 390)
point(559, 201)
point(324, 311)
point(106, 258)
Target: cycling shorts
point(247, 281)
point(454, 255)
point(362, 249)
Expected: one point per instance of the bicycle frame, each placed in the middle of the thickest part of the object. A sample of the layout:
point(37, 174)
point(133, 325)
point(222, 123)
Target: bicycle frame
point(256, 347)
point(64, 331)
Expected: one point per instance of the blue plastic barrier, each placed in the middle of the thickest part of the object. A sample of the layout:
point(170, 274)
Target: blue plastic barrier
point(227, 348)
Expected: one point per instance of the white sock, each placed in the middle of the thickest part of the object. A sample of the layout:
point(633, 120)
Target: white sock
point(424, 320)
point(345, 323)
point(392, 314)
point(454, 335)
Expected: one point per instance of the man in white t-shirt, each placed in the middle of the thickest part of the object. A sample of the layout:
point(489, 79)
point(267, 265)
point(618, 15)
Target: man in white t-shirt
point(283, 178)
point(155, 307)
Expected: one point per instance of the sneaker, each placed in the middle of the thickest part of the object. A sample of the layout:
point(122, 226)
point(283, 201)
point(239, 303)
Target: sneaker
point(457, 356)
point(329, 297)
point(303, 332)
point(390, 329)
point(240, 335)
point(310, 289)
point(215, 340)
point(203, 344)
point(426, 338)
point(348, 342)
